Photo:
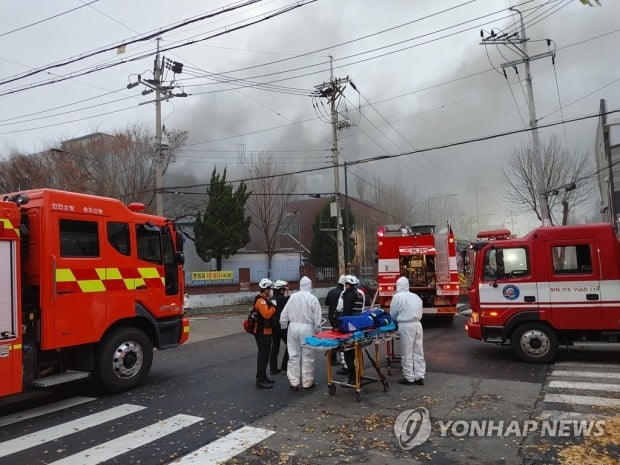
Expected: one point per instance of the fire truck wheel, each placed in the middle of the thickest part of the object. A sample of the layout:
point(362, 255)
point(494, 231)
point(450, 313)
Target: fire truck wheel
point(534, 342)
point(124, 359)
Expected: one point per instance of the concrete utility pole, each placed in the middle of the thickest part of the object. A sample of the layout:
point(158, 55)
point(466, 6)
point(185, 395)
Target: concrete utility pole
point(333, 91)
point(518, 43)
point(162, 92)
point(159, 162)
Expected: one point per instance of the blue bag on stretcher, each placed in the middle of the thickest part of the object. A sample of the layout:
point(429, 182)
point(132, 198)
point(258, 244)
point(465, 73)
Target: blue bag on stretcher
point(372, 319)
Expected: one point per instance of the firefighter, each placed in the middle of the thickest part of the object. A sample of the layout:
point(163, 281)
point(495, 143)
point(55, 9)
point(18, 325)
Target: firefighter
point(351, 303)
point(301, 317)
point(331, 300)
point(280, 295)
point(266, 308)
point(406, 310)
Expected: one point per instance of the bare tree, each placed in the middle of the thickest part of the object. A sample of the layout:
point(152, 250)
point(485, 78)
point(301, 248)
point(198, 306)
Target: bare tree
point(566, 181)
point(398, 205)
point(271, 191)
point(119, 165)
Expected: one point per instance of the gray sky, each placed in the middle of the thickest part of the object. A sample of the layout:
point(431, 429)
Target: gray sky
point(425, 89)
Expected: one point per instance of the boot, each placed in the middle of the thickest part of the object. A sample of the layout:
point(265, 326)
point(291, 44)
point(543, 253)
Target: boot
point(263, 385)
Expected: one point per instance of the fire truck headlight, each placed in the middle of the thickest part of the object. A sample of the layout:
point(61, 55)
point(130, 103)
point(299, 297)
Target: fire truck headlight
point(475, 317)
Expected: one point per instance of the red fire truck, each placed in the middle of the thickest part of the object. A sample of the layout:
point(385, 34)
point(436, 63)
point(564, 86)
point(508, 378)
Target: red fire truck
point(559, 285)
point(87, 285)
point(426, 258)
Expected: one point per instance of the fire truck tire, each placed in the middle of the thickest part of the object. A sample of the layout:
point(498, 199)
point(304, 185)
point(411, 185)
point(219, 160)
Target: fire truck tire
point(534, 343)
point(124, 359)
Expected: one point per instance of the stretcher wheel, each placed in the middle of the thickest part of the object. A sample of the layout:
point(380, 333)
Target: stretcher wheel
point(386, 385)
point(358, 396)
point(332, 389)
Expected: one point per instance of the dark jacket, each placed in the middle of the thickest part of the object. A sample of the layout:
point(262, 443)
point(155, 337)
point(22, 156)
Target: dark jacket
point(280, 303)
point(331, 300)
point(352, 302)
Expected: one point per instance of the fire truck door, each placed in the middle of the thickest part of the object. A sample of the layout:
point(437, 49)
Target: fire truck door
point(507, 280)
point(10, 337)
point(574, 284)
point(78, 296)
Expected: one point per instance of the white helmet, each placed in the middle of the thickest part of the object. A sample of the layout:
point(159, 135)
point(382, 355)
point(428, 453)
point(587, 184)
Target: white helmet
point(265, 283)
point(350, 279)
point(280, 284)
point(341, 279)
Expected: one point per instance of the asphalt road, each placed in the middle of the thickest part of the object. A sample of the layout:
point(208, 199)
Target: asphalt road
point(205, 390)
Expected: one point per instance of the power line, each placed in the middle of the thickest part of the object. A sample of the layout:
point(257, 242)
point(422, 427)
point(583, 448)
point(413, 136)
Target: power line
point(423, 150)
point(146, 37)
point(47, 19)
point(280, 72)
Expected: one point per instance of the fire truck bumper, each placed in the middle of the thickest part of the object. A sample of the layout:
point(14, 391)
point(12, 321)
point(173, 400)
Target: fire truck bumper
point(184, 331)
point(474, 330)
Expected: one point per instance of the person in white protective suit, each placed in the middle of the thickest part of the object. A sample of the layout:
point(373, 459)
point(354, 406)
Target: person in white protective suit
point(406, 310)
point(302, 317)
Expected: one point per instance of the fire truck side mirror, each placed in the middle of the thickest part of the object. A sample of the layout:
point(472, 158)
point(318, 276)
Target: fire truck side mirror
point(179, 258)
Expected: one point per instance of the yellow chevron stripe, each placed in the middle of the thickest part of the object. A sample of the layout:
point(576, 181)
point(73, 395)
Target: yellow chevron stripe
point(8, 225)
point(148, 272)
point(91, 285)
point(109, 273)
point(65, 276)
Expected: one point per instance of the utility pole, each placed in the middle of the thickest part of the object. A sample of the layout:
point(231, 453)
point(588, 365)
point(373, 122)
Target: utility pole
point(162, 92)
point(159, 162)
point(333, 91)
point(518, 43)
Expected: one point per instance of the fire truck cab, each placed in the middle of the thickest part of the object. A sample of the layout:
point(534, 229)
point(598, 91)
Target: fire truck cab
point(87, 286)
point(559, 285)
point(426, 258)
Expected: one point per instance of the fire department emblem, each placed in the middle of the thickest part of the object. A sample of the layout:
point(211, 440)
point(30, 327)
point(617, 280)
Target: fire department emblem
point(510, 292)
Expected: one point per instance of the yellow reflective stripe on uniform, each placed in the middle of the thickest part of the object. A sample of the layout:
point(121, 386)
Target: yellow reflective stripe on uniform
point(91, 285)
point(65, 276)
point(148, 272)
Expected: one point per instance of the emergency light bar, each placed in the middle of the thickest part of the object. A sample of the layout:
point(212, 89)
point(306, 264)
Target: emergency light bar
point(494, 234)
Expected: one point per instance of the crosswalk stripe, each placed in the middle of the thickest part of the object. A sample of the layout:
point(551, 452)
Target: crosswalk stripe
point(559, 415)
point(226, 447)
point(585, 374)
point(588, 365)
point(582, 400)
point(44, 410)
point(584, 385)
point(64, 429)
point(129, 442)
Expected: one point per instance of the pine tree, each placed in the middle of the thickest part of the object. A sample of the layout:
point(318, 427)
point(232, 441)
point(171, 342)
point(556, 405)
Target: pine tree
point(324, 249)
point(222, 228)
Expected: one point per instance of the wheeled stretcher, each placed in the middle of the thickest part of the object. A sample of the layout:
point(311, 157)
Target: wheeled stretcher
point(359, 342)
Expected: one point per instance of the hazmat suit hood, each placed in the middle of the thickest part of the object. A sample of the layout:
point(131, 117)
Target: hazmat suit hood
point(402, 284)
point(305, 284)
